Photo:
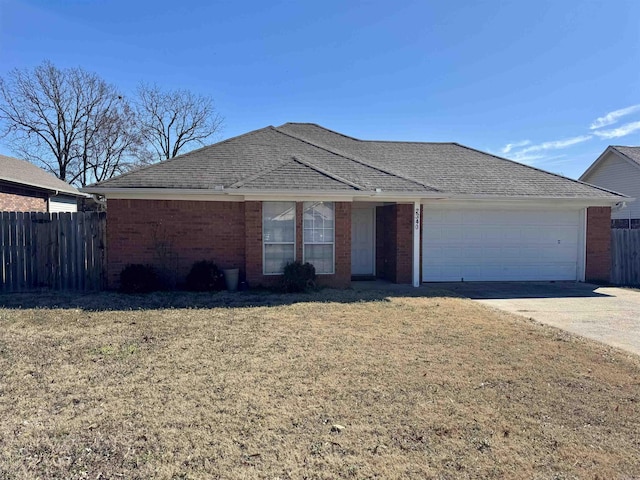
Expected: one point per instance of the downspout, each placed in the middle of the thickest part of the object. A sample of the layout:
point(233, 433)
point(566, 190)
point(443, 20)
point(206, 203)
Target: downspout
point(49, 200)
point(96, 198)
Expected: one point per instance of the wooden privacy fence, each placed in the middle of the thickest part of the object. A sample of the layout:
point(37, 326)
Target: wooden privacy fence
point(625, 256)
point(61, 251)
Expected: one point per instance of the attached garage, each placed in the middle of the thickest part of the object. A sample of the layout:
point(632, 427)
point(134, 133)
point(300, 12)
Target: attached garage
point(474, 243)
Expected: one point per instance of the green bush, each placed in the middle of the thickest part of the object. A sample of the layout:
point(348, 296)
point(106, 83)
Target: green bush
point(298, 277)
point(205, 277)
point(138, 278)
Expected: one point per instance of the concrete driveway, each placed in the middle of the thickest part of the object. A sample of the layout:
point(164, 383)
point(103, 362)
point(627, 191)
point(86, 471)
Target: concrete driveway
point(608, 314)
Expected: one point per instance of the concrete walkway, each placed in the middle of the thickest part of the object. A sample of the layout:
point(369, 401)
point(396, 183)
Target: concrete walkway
point(608, 314)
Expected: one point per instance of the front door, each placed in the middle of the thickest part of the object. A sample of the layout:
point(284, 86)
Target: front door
point(362, 241)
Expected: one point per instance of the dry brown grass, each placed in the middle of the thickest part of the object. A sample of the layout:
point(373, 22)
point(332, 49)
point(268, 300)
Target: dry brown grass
point(426, 388)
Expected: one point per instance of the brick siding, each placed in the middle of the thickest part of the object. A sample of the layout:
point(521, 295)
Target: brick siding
point(253, 245)
point(342, 276)
point(173, 234)
point(18, 199)
point(598, 261)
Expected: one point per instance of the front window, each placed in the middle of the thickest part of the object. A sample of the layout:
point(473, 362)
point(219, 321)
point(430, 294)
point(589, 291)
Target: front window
point(278, 235)
point(319, 235)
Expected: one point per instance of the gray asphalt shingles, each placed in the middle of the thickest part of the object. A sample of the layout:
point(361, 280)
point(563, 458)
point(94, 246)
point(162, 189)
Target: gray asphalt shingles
point(265, 160)
point(22, 172)
point(451, 167)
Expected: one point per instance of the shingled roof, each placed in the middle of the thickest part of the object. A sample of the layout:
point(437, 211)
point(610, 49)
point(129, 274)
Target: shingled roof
point(307, 157)
point(22, 172)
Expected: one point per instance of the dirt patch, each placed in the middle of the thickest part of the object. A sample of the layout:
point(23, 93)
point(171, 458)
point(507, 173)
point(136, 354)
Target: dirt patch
point(424, 388)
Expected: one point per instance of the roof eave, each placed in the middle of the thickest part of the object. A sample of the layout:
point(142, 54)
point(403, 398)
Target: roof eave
point(551, 201)
point(240, 194)
point(57, 191)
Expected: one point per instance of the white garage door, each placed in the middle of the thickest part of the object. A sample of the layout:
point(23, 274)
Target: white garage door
point(492, 245)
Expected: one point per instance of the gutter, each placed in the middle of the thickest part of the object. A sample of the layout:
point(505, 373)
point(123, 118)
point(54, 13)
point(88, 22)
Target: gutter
point(238, 194)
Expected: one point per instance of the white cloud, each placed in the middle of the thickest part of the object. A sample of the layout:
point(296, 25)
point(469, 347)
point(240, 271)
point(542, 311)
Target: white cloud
point(612, 117)
point(556, 144)
point(620, 131)
point(510, 146)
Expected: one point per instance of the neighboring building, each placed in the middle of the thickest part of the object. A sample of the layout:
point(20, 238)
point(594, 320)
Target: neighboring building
point(26, 188)
point(618, 169)
point(408, 212)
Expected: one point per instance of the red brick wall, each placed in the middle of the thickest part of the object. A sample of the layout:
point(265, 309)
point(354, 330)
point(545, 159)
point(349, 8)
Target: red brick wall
point(17, 199)
point(253, 245)
point(598, 261)
point(342, 276)
point(394, 242)
point(172, 235)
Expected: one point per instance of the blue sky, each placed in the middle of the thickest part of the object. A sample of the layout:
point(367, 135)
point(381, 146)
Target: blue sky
point(548, 83)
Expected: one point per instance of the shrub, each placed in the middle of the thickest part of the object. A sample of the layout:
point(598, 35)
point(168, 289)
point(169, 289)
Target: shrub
point(298, 277)
point(205, 277)
point(138, 278)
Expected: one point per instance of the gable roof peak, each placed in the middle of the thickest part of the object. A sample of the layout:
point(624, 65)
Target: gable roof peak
point(355, 159)
point(310, 124)
point(630, 154)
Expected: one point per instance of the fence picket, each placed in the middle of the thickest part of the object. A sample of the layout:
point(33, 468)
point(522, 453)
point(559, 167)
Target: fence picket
point(42, 226)
point(4, 256)
point(13, 264)
point(28, 257)
point(81, 253)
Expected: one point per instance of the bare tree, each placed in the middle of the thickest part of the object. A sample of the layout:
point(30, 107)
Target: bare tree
point(173, 120)
point(113, 144)
point(70, 121)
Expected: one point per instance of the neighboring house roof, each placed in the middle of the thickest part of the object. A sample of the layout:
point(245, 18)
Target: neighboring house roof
point(25, 173)
point(630, 154)
point(308, 157)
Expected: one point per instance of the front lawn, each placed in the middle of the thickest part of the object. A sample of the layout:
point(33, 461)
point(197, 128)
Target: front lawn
point(424, 387)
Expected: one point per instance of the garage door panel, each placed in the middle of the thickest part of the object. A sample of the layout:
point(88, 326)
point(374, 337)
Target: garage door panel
point(483, 244)
point(454, 233)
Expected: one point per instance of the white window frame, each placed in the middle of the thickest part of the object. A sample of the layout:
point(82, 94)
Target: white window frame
point(333, 244)
point(264, 242)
